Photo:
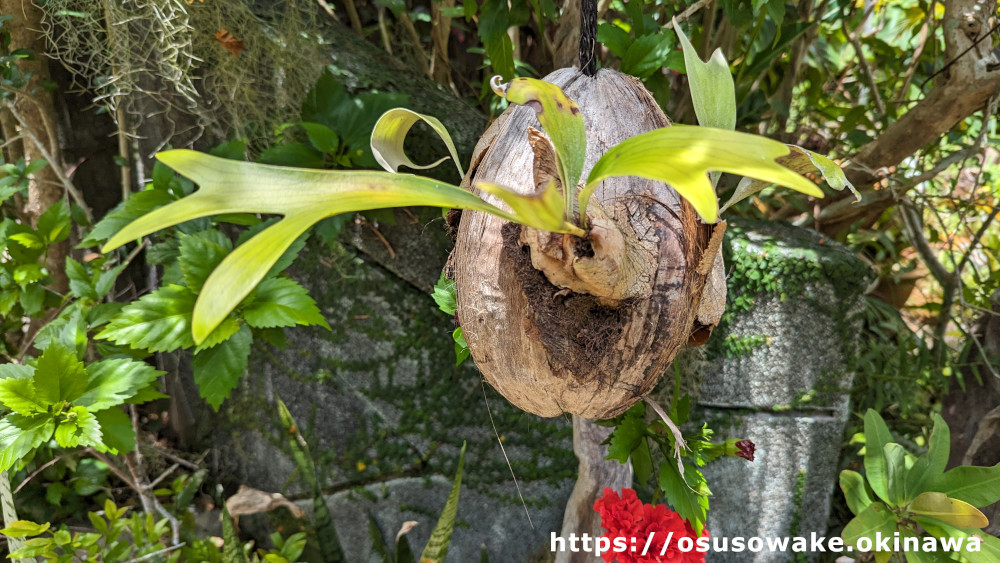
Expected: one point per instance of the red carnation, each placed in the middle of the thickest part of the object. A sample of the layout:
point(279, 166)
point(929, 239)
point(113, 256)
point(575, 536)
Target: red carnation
point(627, 517)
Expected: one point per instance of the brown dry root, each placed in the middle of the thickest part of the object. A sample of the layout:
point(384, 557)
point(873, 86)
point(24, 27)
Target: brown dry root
point(561, 324)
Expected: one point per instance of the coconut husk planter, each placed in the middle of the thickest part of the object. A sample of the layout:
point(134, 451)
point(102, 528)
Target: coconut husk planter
point(562, 324)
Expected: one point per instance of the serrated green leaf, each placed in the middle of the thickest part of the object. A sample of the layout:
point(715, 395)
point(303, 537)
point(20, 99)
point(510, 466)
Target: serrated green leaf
point(221, 333)
point(712, 91)
point(200, 253)
point(18, 394)
point(27, 240)
point(461, 346)
point(17, 371)
point(437, 546)
point(444, 295)
point(217, 370)
point(116, 430)
point(876, 519)
point(687, 494)
point(302, 196)
point(158, 322)
point(106, 280)
point(390, 132)
point(79, 427)
point(20, 434)
point(876, 437)
point(627, 436)
point(59, 375)
point(695, 151)
point(28, 273)
point(978, 486)
point(112, 381)
point(853, 486)
point(282, 302)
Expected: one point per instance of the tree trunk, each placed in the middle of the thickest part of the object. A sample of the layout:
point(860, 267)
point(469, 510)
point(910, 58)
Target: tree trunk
point(33, 113)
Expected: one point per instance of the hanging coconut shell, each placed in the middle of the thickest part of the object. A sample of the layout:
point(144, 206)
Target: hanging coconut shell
point(558, 323)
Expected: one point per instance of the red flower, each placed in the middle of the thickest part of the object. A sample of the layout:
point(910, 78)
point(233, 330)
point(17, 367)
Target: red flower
point(746, 449)
point(627, 517)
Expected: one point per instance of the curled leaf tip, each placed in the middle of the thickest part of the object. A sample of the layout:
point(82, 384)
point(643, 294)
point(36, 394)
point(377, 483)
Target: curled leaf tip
point(498, 86)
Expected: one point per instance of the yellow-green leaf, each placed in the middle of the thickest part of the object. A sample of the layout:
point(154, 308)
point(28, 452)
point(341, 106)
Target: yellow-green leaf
point(302, 196)
point(390, 132)
point(955, 512)
point(800, 160)
point(713, 94)
point(543, 210)
point(23, 528)
point(561, 119)
point(683, 155)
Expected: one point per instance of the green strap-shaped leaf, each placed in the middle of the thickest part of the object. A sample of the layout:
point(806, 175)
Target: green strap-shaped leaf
point(390, 132)
point(802, 161)
point(562, 121)
point(955, 512)
point(543, 209)
point(978, 486)
point(437, 545)
point(683, 155)
point(303, 196)
point(713, 94)
point(931, 465)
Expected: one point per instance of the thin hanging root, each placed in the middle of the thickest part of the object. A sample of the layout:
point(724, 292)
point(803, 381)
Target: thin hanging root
point(679, 443)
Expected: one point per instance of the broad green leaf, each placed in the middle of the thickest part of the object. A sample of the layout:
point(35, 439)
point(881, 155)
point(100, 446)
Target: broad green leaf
point(20, 434)
point(543, 209)
point(853, 486)
point(321, 137)
point(712, 91)
point(390, 132)
point(461, 346)
point(116, 430)
point(444, 295)
point(112, 381)
point(437, 545)
point(561, 119)
point(955, 512)
point(987, 546)
point(978, 486)
point(895, 472)
point(282, 302)
point(302, 196)
point(646, 55)
point(59, 375)
point(500, 50)
point(200, 253)
point(79, 427)
point(642, 462)
point(872, 520)
point(17, 371)
point(682, 156)
point(158, 322)
point(18, 394)
point(930, 465)
point(627, 436)
point(802, 161)
point(616, 39)
point(54, 224)
point(24, 528)
point(876, 437)
point(217, 370)
point(80, 282)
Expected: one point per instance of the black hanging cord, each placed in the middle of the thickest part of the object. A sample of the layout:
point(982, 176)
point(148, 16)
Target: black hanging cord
point(588, 37)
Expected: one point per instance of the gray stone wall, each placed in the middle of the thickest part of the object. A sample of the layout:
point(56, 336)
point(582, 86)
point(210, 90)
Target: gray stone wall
point(776, 372)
